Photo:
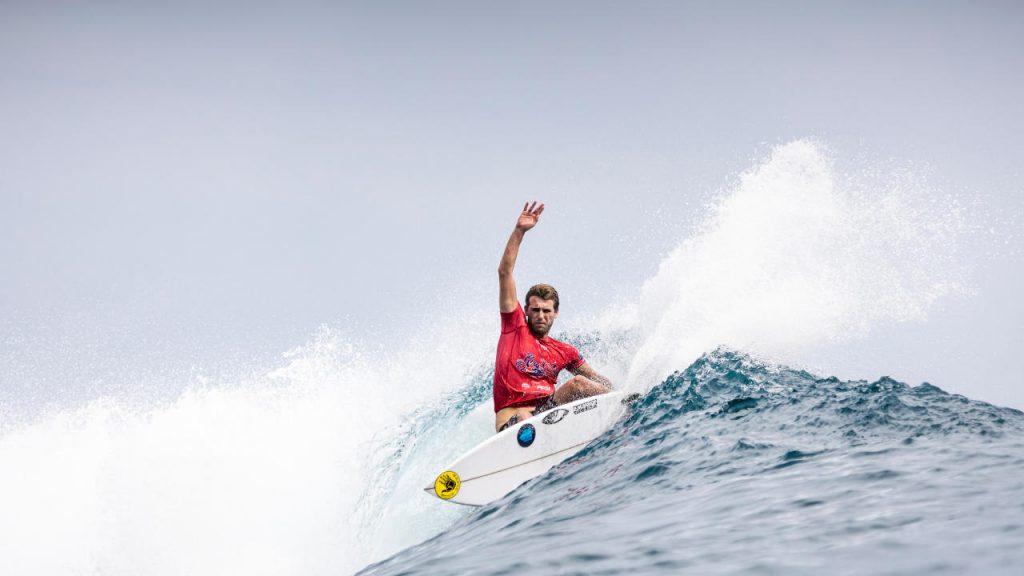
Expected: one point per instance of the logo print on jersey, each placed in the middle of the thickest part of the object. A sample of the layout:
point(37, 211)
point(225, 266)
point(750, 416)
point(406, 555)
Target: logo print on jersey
point(537, 369)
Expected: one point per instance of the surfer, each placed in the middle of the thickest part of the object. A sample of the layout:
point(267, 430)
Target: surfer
point(528, 360)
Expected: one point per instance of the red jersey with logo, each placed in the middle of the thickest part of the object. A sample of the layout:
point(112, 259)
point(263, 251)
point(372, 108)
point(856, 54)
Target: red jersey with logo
point(526, 368)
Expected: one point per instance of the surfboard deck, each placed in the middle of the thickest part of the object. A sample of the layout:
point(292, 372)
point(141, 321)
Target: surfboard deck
point(527, 449)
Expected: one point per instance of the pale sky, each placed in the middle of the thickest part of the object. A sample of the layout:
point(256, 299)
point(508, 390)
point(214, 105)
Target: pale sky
point(203, 184)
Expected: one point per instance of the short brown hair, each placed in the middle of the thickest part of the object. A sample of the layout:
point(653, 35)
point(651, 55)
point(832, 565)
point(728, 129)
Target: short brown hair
point(544, 292)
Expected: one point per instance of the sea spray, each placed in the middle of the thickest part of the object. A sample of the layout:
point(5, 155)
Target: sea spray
point(795, 256)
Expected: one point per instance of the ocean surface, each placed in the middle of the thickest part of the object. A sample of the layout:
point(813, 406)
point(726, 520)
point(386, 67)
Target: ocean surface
point(736, 466)
point(766, 441)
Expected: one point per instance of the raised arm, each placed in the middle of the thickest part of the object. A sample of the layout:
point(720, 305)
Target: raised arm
point(507, 297)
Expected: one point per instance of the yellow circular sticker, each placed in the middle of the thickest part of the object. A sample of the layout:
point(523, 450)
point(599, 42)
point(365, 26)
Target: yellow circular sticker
point(447, 485)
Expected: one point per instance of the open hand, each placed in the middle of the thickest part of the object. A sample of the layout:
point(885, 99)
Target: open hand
point(531, 214)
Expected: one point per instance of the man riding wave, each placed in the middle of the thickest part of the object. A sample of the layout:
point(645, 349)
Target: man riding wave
point(528, 360)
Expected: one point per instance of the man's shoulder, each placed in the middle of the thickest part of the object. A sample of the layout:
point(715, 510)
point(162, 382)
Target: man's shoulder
point(559, 344)
point(514, 320)
point(517, 310)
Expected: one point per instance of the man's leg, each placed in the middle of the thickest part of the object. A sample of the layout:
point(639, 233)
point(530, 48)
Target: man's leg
point(579, 387)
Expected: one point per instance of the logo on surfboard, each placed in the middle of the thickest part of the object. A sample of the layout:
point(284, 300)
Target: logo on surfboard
point(447, 485)
point(555, 416)
point(526, 435)
point(589, 405)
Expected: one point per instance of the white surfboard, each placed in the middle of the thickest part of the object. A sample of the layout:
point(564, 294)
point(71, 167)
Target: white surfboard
point(526, 449)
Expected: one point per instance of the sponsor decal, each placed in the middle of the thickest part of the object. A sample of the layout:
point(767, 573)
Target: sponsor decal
point(555, 416)
point(526, 435)
point(447, 485)
point(589, 405)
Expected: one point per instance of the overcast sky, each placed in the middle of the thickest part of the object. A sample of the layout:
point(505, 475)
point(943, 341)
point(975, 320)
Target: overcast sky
point(184, 184)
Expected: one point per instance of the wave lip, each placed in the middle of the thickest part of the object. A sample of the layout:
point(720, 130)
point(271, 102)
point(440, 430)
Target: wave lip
point(736, 465)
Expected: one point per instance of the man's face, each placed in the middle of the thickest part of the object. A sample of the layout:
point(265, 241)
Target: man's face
point(540, 314)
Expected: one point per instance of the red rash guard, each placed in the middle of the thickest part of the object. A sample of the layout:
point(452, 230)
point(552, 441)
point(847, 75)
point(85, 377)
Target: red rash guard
point(526, 367)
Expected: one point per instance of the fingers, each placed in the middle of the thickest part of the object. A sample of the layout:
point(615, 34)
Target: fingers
point(532, 208)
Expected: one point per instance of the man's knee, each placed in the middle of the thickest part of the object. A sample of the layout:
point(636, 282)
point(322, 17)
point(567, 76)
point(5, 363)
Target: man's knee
point(580, 387)
point(588, 385)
